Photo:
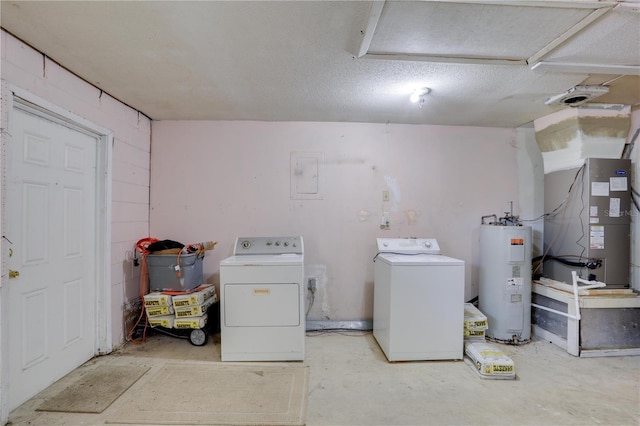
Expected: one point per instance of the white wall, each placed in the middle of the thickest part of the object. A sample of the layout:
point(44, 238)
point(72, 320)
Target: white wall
point(221, 180)
point(531, 185)
point(27, 69)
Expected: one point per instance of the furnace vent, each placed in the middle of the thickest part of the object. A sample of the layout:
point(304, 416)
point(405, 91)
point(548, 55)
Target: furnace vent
point(577, 95)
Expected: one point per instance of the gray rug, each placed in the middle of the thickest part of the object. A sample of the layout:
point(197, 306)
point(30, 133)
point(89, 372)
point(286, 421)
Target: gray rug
point(95, 391)
point(217, 394)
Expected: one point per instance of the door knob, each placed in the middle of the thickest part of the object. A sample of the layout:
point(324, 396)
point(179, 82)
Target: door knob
point(13, 274)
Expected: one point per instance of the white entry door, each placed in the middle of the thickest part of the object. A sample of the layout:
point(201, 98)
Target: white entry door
point(51, 224)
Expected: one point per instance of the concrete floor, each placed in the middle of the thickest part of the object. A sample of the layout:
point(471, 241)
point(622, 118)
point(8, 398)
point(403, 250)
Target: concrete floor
point(351, 383)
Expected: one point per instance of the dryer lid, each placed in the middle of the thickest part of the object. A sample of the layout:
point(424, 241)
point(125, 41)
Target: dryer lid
point(264, 260)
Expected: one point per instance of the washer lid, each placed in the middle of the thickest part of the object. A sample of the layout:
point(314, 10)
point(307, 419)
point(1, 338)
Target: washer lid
point(418, 260)
point(264, 260)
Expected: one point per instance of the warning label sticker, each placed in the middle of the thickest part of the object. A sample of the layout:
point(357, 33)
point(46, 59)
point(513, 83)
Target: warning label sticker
point(596, 237)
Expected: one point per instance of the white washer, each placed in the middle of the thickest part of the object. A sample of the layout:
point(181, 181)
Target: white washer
point(418, 301)
point(262, 300)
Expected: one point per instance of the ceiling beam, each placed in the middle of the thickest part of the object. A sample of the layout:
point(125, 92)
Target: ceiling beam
point(588, 20)
point(577, 68)
point(444, 59)
point(374, 18)
point(570, 4)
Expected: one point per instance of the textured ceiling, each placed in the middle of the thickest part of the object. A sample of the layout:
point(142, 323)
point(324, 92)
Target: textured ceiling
point(339, 60)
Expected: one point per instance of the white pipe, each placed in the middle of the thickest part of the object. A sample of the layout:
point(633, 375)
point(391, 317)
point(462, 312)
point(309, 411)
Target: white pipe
point(564, 314)
point(576, 298)
point(576, 288)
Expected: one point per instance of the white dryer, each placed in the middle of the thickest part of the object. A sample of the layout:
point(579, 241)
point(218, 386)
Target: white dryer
point(418, 301)
point(262, 300)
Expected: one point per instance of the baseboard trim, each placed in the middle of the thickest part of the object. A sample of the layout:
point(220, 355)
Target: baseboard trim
point(366, 325)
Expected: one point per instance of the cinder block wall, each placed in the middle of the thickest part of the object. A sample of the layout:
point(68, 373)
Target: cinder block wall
point(29, 70)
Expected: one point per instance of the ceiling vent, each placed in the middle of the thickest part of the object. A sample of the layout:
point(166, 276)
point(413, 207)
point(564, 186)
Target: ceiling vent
point(577, 95)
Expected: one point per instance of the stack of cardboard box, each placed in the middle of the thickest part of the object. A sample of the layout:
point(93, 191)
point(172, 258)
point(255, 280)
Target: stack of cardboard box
point(191, 309)
point(180, 311)
point(487, 359)
point(475, 324)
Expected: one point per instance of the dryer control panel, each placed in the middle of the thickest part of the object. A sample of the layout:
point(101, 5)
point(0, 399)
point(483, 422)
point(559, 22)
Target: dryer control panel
point(268, 245)
point(408, 245)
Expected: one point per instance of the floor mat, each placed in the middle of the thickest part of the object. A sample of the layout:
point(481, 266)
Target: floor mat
point(96, 390)
point(219, 394)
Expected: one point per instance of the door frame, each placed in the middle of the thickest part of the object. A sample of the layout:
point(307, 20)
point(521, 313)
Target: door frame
point(13, 98)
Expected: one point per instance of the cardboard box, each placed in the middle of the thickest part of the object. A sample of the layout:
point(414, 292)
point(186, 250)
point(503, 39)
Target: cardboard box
point(157, 299)
point(474, 334)
point(474, 319)
point(489, 361)
point(156, 311)
point(191, 322)
point(195, 311)
point(196, 298)
point(165, 321)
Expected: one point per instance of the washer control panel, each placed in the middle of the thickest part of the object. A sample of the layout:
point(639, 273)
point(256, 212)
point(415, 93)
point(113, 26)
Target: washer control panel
point(408, 245)
point(268, 245)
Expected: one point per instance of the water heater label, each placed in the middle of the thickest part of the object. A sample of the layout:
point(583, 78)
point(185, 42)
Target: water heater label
point(516, 250)
point(515, 271)
point(515, 282)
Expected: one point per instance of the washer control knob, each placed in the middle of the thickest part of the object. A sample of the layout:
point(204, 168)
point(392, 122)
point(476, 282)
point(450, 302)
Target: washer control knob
point(246, 244)
point(277, 243)
point(286, 244)
point(428, 244)
point(386, 244)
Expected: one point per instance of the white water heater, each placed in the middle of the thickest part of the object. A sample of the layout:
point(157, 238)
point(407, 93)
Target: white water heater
point(505, 282)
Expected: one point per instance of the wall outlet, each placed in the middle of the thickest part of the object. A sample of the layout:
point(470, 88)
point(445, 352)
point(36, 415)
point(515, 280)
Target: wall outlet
point(384, 221)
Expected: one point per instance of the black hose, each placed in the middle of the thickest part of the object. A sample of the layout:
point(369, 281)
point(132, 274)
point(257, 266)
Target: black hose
point(591, 264)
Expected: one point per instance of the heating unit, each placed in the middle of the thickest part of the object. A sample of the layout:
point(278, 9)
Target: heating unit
point(590, 225)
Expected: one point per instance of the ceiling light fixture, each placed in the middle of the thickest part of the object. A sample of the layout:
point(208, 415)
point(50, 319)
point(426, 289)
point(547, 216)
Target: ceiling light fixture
point(417, 96)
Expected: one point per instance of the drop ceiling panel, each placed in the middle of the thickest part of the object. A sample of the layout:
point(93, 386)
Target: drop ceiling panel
point(304, 60)
point(613, 40)
point(470, 30)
